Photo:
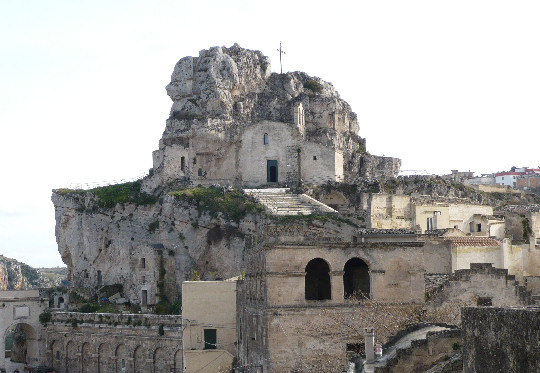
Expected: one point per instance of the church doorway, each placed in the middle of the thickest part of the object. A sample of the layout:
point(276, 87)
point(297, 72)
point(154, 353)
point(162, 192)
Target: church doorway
point(271, 171)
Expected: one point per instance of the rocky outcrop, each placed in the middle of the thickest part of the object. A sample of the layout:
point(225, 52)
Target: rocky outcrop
point(15, 275)
point(172, 235)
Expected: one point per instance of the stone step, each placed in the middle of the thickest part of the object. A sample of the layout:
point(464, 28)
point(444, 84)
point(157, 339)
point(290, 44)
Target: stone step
point(279, 202)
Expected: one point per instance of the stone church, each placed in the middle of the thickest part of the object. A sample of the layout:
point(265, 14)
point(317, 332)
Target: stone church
point(235, 123)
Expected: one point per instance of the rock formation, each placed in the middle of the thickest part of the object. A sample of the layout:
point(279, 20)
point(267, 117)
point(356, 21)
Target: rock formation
point(15, 275)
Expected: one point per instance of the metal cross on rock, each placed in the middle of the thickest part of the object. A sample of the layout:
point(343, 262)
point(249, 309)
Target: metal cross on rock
point(281, 52)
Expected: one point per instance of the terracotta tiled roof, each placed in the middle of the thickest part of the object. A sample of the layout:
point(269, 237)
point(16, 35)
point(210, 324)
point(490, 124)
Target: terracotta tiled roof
point(472, 241)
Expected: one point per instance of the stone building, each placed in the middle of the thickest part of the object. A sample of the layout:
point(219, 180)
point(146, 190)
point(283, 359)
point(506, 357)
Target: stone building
point(233, 122)
point(209, 325)
point(425, 213)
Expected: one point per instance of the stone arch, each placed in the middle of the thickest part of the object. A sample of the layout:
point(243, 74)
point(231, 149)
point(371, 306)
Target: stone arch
point(160, 360)
point(356, 279)
point(86, 358)
point(139, 360)
point(317, 282)
point(178, 361)
point(105, 358)
point(29, 347)
point(72, 357)
point(121, 358)
point(56, 350)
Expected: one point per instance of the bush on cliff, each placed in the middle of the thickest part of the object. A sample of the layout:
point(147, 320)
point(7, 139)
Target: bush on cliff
point(233, 204)
point(110, 195)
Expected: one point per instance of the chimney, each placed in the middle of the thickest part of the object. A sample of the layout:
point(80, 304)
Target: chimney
point(369, 338)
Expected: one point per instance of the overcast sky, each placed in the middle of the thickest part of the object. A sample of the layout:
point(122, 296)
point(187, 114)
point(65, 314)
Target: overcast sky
point(440, 84)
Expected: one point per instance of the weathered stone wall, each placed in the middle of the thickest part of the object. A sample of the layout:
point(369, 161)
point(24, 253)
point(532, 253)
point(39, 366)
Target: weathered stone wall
point(78, 342)
point(467, 287)
point(501, 340)
point(389, 211)
point(396, 271)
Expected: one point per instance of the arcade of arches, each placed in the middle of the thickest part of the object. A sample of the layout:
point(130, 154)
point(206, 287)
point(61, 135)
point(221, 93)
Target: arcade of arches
point(356, 280)
point(125, 356)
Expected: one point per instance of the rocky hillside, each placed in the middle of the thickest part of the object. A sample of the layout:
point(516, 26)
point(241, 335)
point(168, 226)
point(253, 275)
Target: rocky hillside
point(15, 275)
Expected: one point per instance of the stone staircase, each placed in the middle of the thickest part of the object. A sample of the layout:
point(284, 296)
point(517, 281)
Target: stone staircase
point(278, 201)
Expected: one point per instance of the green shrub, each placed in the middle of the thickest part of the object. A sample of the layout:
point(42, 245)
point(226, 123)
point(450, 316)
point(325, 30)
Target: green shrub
point(45, 317)
point(313, 85)
point(88, 308)
point(161, 329)
point(110, 195)
point(129, 192)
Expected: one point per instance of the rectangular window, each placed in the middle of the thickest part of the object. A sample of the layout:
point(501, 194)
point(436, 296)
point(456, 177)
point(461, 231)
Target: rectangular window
point(199, 173)
point(484, 301)
point(429, 224)
point(99, 278)
point(144, 297)
point(210, 339)
point(479, 227)
point(182, 163)
point(143, 263)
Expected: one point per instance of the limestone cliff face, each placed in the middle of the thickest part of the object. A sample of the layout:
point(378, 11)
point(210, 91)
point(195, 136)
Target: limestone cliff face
point(103, 246)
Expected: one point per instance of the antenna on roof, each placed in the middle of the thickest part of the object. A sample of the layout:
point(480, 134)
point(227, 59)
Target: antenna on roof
point(281, 51)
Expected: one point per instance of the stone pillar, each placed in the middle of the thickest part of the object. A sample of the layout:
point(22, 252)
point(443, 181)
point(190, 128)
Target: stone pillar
point(369, 338)
point(336, 283)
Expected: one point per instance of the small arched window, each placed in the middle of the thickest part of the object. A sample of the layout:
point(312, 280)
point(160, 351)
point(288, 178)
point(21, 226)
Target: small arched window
point(265, 139)
point(318, 280)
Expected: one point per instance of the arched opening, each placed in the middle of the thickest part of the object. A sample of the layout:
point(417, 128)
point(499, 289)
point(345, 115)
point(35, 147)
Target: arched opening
point(72, 360)
point(86, 358)
point(139, 360)
point(61, 302)
point(160, 361)
point(178, 361)
point(104, 357)
point(56, 355)
point(21, 346)
point(356, 279)
point(318, 280)
point(121, 357)
point(265, 139)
